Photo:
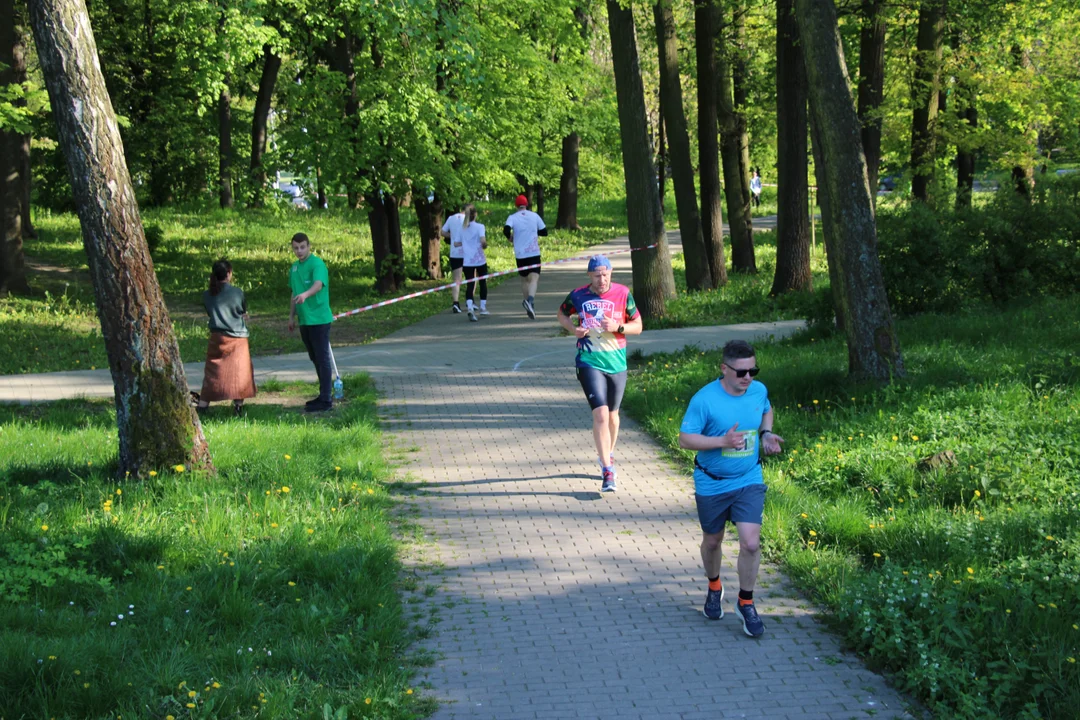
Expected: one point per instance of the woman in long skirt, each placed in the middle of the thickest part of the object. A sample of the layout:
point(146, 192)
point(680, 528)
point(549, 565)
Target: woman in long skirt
point(229, 374)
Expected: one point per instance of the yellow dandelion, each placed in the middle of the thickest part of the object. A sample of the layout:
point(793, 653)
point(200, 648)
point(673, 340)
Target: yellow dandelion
point(53, 657)
point(815, 402)
point(409, 691)
point(44, 528)
point(877, 555)
point(337, 468)
point(273, 525)
point(370, 491)
point(285, 488)
point(160, 567)
point(121, 492)
point(1049, 537)
point(1076, 627)
point(1072, 660)
point(895, 438)
point(188, 588)
point(179, 468)
point(288, 457)
point(804, 515)
point(1041, 606)
point(978, 494)
point(970, 571)
point(811, 542)
point(310, 531)
point(367, 701)
point(192, 693)
point(152, 473)
point(85, 685)
point(170, 717)
point(1008, 611)
point(292, 584)
point(915, 438)
point(813, 533)
point(1053, 606)
point(190, 706)
point(267, 492)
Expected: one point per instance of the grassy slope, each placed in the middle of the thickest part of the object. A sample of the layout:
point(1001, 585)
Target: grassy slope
point(269, 590)
point(965, 581)
point(59, 330)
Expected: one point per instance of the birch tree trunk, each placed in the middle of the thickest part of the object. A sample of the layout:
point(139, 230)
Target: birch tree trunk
point(698, 276)
point(873, 347)
point(654, 280)
point(156, 421)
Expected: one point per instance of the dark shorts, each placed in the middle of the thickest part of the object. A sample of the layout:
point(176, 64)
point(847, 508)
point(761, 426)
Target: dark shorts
point(456, 263)
point(745, 505)
point(601, 388)
point(522, 262)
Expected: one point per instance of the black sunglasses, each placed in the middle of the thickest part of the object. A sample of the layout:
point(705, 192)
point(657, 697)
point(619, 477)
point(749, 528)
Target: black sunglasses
point(752, 372)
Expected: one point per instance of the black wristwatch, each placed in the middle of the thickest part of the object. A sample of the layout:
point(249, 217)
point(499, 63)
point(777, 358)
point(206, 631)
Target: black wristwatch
point(763, 433)
point(620, 329)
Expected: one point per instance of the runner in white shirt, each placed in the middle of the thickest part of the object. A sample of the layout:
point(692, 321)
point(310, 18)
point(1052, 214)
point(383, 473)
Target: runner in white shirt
point(473, 238)
point(457, 254)
point(524, 228)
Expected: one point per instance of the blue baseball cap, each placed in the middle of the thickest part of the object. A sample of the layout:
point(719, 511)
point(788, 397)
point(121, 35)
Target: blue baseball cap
point(598, 261)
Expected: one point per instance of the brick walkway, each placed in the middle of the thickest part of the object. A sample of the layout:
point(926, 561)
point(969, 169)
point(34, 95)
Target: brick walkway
point(557, 602)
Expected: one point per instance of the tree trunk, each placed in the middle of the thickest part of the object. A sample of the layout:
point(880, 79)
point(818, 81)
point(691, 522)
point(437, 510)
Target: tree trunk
point(1023, 176)
point(873, 347)
point(540, 199)
point(828, 229)
point(429, 218)
point(712, 217)
point(735, 154)
point(661, 158)
point(654, 281)
point(682, 169)
point(924, 96)
point(271, 67)
point(28, 231)
point(13, 56)
point(792, 219)
point(568, 190)
point(872, 86)
point(320, 188)
point(225, 189)
point(393, 237)
point(526, 188)
point(156, 421)
point(379, 223)
point(965, 160)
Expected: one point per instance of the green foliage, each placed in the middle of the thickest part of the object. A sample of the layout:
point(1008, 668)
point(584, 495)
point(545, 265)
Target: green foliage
point(1005, 250)
point(960, 580)
point(269, 590)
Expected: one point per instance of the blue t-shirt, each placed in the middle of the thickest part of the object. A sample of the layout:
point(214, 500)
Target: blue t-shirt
point(712, 412)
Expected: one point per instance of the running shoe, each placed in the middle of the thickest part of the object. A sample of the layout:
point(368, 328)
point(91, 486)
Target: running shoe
point(456, 308)
point(608, 485)
point(472, 316)
point(714, 604)
point(484, 311)
point(529, 309)
point(751, 623)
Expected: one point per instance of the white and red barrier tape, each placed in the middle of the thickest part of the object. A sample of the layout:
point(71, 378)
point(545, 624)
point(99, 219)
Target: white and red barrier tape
point(391, 301)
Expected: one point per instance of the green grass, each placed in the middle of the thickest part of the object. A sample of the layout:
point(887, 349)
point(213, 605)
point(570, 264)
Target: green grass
point(963, 581)
point(268, 590)
point(57, 328)
point(745, 297)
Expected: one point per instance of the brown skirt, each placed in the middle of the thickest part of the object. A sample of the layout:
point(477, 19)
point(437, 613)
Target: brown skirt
point(229, 374)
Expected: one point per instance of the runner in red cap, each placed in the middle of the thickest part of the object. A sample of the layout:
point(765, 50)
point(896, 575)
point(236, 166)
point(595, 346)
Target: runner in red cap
point(524, 228)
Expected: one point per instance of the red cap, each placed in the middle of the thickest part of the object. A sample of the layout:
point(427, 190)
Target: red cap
point(521, 201)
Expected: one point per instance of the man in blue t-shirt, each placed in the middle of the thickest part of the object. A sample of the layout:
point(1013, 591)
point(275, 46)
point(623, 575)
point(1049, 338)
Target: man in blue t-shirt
point(729, 422)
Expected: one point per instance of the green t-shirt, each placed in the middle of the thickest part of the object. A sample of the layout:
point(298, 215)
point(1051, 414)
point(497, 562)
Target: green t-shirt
point(316, 309)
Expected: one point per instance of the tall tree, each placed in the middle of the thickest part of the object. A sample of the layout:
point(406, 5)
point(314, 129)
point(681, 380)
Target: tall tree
point(965, 157)
point(712, 218)
point(735, 145)
point(12, 177)
point(566, 219)
point(925, 88)
point(225, 190)
point(267, 81)
point(872, 86)
point(873, 347)
point(792, 221)
point(156, 421)
point(828, 229)
point(698, 276)
point(654, 280)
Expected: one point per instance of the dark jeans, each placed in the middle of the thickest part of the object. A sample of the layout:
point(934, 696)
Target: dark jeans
point(317, 341)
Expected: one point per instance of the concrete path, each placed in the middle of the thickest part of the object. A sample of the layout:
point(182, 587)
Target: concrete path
point(555, 601)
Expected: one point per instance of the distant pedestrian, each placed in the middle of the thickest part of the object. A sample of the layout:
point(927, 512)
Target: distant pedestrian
point(607, 314)
point(457, 256)
point(310, 285)
point(228, 374)
point(525, 228)
point(755, 189)
point(473, 238)
point(730, 423)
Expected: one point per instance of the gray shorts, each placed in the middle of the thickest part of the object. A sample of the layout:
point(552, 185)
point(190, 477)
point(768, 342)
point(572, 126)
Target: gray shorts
point(745, 505)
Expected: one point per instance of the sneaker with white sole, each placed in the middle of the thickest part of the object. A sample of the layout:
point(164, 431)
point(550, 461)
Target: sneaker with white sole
point(484, 311)
point(608, 484)
point(751, 623)
point(714, 604)
point(472, 316)
point(529, 309)
point(455, 308)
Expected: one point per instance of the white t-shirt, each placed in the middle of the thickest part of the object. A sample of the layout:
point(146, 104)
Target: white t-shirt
point(526, 226)
point(470, 238)
point(452, 227)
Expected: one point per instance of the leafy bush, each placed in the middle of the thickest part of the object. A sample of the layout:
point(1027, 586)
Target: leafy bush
point(1012, 248)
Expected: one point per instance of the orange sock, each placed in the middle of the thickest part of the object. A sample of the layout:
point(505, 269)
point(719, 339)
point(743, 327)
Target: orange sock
point(745, 602)
point(715, 585)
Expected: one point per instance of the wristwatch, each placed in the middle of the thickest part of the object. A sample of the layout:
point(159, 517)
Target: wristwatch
point(763, 433)
point(620, 329)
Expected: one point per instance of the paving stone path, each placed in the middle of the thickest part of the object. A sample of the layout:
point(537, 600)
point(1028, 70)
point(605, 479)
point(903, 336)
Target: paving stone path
point(555, 601)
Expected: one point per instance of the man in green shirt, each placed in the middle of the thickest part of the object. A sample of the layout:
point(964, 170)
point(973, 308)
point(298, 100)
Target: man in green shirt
point(310, 285)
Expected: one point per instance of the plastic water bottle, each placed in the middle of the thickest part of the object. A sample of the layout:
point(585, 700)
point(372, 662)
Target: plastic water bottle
point(339, 388)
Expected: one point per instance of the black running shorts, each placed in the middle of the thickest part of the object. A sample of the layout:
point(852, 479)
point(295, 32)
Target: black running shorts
point(456, 263)
point(522, 262)
point(601, 388)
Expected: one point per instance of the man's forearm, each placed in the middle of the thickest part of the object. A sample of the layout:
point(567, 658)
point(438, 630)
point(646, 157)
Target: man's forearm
point(693, 441)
